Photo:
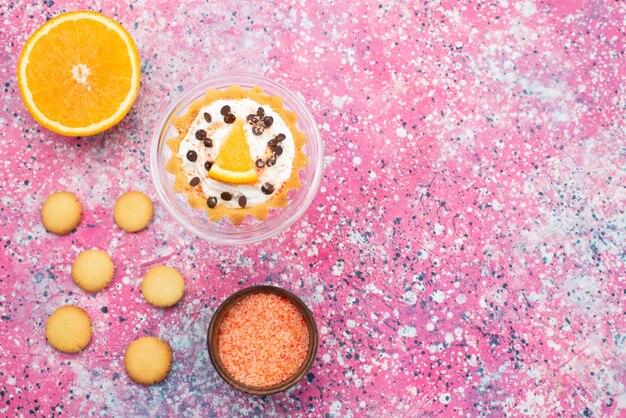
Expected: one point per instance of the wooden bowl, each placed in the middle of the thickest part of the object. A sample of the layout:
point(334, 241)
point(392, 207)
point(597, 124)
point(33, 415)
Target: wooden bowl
point(216, 323)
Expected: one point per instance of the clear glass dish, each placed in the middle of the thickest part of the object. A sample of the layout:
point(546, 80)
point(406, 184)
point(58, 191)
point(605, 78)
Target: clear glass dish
point(251, 230)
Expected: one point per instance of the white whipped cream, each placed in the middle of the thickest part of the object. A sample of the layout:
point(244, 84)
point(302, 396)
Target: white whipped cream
point(218, 130)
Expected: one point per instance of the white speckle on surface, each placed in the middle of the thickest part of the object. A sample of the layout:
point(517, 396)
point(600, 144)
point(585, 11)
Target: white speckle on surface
point(496, 205)
point(356, 160)
point(533, 404)
point(350, 323)
point(401, 132)
point(430, 327)
point(407, 331)
point(371, 287)
point(337, 269)
point(409, 298)
point(438, 296)
point(338, 102)
point(306, 23)
point(554, 345)
point(438, 229)
point(621, 399)
point(461, 299)
point(445, 398)
point(335, 406)
point(526, 8)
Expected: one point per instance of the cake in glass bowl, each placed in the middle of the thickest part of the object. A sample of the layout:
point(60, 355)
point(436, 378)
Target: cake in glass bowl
point(237, 153)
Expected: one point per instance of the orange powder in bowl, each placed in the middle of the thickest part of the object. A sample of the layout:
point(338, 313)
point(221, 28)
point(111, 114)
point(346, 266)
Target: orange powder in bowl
point(263, 340)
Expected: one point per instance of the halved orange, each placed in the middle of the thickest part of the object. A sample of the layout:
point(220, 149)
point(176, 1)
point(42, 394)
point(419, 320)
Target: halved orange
point(234, 163)
point(79, 73)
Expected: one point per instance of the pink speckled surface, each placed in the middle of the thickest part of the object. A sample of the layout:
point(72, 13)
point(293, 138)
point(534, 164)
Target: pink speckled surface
point(465, 255)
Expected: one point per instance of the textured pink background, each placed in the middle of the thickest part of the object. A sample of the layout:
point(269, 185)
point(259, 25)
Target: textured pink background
point(465, 255)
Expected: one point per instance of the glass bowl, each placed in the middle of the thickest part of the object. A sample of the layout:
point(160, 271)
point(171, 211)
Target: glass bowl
point(250, 230)
point(218, 318)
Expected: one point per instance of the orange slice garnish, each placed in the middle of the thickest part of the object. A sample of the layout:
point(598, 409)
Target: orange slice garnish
point(79, 73)
point(234, 163)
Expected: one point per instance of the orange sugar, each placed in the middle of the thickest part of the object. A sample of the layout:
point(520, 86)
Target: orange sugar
point(263, 340)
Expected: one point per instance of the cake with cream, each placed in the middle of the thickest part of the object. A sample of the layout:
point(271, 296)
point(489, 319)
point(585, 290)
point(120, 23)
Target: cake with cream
point(237, 153)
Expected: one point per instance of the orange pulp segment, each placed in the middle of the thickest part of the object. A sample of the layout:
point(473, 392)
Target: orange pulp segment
point(234, 163)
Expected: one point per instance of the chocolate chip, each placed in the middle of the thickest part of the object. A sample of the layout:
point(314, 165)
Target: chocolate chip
point(208, 142)
point(195, 181)
point(192, 156)
point(252, 118)
point(260, 163)
point(261, 112)
point(208, 165)
point(207, 117)
point(230, 118)
point(225, 110)
point(273, 142)
point(278, 150)
point(211, 202)
point(267, 188)
point(200, 134)
point(256, 130)
point(267, 121)
point(226, 196)
point(242, 201)
point(271, 161)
